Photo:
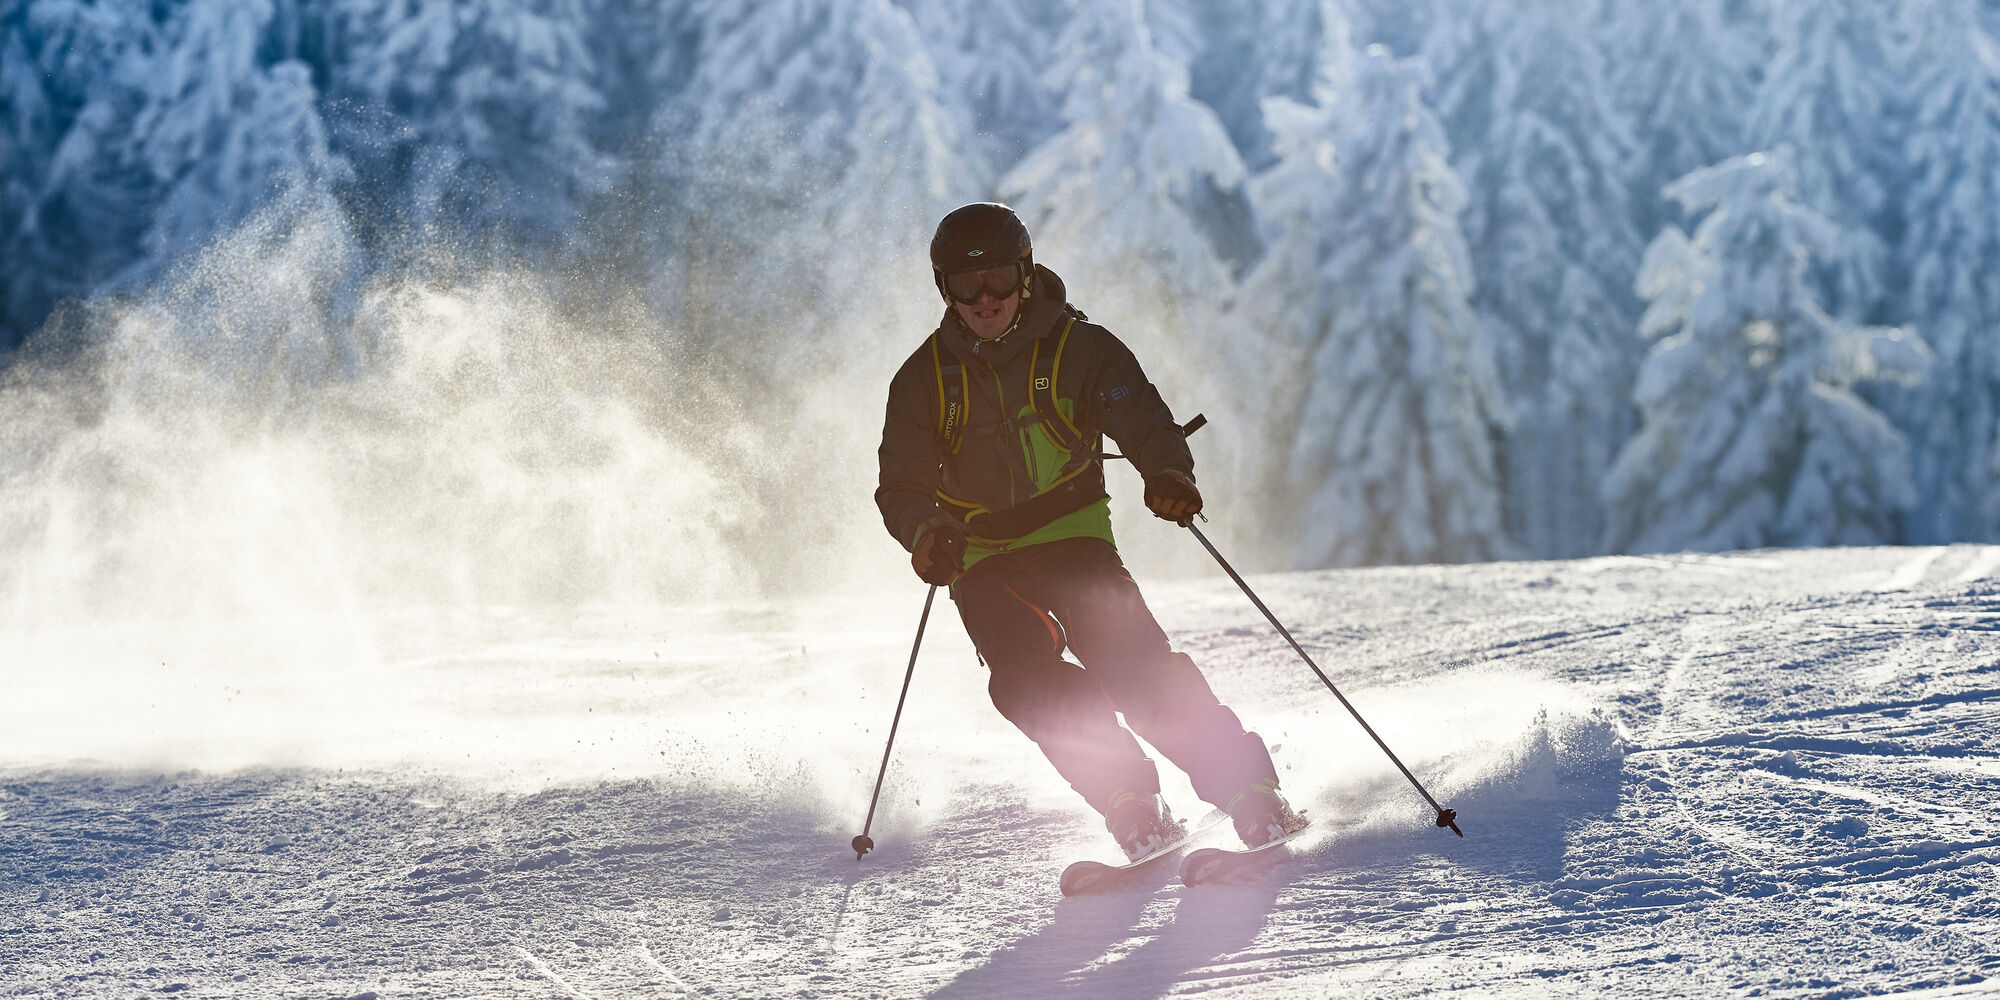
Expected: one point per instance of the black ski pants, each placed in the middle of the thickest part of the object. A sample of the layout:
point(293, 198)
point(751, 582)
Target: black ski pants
point(1023, 607)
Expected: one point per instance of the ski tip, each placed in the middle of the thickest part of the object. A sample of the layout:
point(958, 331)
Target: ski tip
point(1212, 864)
point(1201, 865)
point(1081, 877)
point(1089, 876)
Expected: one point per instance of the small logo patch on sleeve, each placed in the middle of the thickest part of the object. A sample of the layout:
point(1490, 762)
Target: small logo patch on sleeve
point(1117, 394)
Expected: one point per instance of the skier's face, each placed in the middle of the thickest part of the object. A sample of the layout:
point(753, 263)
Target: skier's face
point(989, 316)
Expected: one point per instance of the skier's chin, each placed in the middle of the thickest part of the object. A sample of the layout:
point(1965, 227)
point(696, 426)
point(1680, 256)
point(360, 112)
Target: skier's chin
point(991, 325)
point(988, 323)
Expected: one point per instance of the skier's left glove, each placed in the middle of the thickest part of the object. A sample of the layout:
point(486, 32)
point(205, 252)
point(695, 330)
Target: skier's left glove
point(1170, 495)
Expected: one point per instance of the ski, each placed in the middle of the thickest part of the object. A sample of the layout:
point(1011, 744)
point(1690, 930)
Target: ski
point(1212, 863)
point(1094, 876)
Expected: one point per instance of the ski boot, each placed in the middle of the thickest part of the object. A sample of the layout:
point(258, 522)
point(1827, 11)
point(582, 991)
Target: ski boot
point(1142, 824)
point(1261, 815)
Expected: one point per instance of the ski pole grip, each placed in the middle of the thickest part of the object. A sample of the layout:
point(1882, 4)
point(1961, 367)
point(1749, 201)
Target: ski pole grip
point(1200, 420)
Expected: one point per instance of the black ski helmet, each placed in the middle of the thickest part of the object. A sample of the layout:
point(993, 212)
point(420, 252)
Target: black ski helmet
point(978, 236)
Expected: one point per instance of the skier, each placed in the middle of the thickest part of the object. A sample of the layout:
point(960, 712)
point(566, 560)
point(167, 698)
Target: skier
point(992, 475)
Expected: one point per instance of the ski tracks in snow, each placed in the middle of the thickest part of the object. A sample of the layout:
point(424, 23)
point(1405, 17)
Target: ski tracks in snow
point(1830, 755)
point(549, 974)
point(1982, 566)
point(1955, 566)
point(1770, 774)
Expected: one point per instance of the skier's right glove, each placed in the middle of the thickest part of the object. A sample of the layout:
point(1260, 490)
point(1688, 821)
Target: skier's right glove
point(939, 557)
point(1170, 495)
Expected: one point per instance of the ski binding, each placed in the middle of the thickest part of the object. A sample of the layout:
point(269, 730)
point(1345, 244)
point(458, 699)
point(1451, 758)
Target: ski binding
point(1091, 876)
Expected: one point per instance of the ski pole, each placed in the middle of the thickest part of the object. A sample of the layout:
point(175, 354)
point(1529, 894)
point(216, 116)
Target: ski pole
point(861, 844)
point(1445, 817)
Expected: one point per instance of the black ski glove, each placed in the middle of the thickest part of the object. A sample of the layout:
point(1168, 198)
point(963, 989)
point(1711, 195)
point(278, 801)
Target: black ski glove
point(939, 557)
point(1171, 495)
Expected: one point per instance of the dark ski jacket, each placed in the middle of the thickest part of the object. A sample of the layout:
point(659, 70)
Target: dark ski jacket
point(1010, 484)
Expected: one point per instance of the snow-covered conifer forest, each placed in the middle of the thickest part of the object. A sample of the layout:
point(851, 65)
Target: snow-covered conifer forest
point(1456, 279)
point(437, 440)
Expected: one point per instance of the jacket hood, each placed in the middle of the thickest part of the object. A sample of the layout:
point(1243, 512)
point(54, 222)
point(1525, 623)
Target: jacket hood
point(1040, 314)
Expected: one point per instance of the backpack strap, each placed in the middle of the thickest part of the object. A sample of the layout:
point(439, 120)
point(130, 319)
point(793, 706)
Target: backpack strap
point(1043, 370)
point(951, 385)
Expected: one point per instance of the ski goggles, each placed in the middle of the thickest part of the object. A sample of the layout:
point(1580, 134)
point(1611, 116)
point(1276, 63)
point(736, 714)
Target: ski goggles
point(967, 287)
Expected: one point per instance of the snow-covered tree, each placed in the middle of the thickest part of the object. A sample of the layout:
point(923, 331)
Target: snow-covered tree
point(1950, 250)
point(74, 197)
point(1828, 93)
point(1287, 300)
point(474, 122)
point(762, 176)
point(1547, 161)
point(196, 126)
point(990, 59)
point(1273, 49)
point(1393, 455)
point(1751, 433)
point(225, 135)
point(1400, 26)
point(814, 166)
point(642, 53)
point(27, 137)
point(1139, 201)
point(1684, 74)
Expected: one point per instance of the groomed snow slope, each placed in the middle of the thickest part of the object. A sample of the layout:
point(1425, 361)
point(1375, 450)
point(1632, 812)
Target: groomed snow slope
point(1767, 774)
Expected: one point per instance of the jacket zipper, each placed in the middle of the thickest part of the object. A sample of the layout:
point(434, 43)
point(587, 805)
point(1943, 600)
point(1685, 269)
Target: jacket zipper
point(1000, 394)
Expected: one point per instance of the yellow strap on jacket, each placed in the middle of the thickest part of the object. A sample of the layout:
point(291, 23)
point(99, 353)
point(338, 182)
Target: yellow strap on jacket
point(1043, 371)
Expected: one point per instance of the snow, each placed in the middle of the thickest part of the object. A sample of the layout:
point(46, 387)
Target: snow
point(1753, 774)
